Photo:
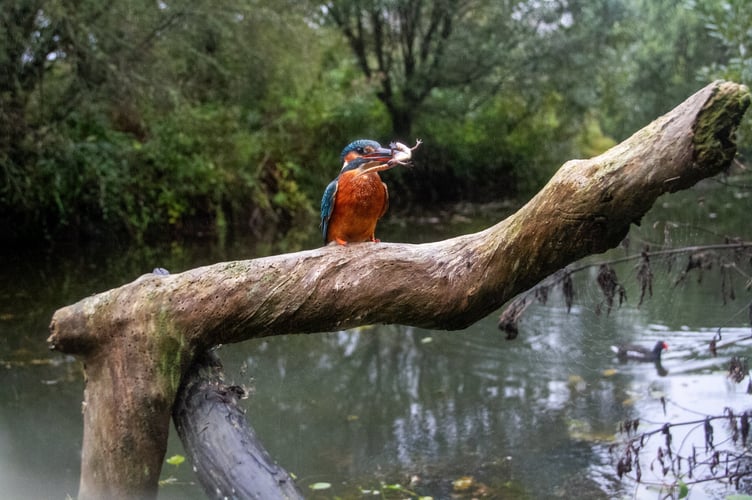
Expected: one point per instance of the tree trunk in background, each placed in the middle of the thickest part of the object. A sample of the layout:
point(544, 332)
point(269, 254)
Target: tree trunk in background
point(137, 341)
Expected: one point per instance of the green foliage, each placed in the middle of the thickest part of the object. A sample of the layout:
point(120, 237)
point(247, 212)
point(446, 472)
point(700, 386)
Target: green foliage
point(157, 120)
point(495, 150)
point(198, 166)
point(195, 157)
point(203, 162)
point(651, 63)
point(137, 120)
point(591, 140)
point(729, 23)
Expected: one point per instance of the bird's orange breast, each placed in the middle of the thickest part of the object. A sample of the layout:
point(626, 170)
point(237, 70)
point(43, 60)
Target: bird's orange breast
point(359, 203)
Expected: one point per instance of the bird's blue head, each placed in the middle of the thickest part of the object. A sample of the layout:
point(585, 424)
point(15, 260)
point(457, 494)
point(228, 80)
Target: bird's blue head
point(365, 148)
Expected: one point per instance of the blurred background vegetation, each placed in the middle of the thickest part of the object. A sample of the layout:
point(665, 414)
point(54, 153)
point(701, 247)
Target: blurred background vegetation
point(160, 119)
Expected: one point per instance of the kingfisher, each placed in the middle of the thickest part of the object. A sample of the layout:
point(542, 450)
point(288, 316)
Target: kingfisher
point(357, 198)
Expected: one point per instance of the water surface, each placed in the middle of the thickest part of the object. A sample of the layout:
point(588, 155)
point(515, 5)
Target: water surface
point(387, 404)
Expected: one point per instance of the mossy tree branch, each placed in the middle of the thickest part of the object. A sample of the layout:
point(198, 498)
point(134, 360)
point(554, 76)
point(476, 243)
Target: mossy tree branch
point(137, 341)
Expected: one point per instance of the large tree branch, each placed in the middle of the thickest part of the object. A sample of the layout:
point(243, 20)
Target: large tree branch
point(137, 340)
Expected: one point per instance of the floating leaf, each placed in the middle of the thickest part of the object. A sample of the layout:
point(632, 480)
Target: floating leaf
point(426, 340)
point(609, 372)
point(576, 383)
point(463, 483)
point(683, 489)
point(176, 460)
point(320, 486)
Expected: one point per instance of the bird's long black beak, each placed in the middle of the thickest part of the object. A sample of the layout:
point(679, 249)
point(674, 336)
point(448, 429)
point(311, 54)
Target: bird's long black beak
point(380, 153)
point(379, 160)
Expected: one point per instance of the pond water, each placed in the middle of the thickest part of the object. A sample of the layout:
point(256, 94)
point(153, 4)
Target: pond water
point(395, 411)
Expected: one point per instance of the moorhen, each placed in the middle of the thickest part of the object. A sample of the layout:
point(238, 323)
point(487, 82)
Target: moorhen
point(640, 353)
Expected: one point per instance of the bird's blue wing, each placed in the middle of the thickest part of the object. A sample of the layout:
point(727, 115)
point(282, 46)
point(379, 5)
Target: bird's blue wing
point(327, 206)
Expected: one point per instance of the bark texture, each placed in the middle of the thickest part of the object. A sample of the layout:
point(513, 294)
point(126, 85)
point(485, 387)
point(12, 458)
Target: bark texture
point(228, 458)
point(137, 341)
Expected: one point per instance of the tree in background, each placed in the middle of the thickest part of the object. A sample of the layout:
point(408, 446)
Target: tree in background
point(411, 49)
point(485, 83)
point(174, 118)
point(138, 117)
point(659, 50)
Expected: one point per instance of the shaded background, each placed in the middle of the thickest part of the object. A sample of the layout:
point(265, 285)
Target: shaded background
point(166, 120)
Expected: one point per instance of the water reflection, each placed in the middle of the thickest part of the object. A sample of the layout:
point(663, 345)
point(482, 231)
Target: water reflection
point(394, 400)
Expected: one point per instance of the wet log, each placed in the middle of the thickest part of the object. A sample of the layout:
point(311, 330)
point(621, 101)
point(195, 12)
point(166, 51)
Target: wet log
point(228, 458)
point(138, 340)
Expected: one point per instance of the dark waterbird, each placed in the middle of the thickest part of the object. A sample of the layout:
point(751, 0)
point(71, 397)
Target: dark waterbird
point(637, 352)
